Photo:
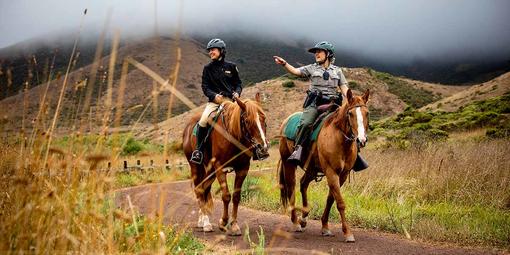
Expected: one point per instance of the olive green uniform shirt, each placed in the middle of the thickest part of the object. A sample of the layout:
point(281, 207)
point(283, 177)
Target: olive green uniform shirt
point(315, 73)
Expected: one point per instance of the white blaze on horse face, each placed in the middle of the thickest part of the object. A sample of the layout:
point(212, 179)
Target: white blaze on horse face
point(262, 135)
point(361, 128)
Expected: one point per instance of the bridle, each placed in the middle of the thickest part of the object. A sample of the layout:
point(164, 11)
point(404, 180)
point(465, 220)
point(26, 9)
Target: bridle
point(259, 153)
point(349, 136)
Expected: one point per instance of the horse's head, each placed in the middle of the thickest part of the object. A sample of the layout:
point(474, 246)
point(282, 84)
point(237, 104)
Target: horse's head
point(253, 126)
point(357, 117)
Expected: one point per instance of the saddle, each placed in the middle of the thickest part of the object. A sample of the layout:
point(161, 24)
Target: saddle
point(213, 118)
point(291, 128)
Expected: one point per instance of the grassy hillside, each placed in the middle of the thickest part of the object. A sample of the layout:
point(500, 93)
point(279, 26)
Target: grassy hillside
point(412, 95)
point(493, 88)
point(157, 54)
point(416, 127)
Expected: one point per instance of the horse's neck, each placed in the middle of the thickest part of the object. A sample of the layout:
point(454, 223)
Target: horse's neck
point(341, 121)
point(340, 127)
point(224, 121)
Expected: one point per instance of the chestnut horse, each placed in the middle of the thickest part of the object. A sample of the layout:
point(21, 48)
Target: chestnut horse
point(239, 130)
point(333, 154)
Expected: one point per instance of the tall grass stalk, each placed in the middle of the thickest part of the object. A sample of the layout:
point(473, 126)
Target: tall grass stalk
point(91, 82)
point(42, 102)
point(57, 110)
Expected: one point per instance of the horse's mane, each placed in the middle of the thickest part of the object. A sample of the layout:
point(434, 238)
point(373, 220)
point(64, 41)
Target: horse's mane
point(339, 115)
point(232, 112)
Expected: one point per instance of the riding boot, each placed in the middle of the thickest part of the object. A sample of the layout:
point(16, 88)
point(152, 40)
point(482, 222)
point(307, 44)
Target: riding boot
point(359, 164)
point(198, 156)
point(297, 155)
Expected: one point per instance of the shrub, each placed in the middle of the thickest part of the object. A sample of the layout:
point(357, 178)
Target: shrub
point(498, 132)
point(288, 84)
point(132, 147)
point(354, 85)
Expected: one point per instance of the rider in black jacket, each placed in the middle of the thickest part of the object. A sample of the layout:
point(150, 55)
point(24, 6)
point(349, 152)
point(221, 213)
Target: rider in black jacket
point(220, 80)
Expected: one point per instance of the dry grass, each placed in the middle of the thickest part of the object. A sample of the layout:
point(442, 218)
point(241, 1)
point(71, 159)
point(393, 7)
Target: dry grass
point(60, 199)
point(456, 191)
point(466, 172)
point(69, 206)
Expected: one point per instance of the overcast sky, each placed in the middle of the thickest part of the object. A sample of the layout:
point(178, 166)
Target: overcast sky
point(399, 29)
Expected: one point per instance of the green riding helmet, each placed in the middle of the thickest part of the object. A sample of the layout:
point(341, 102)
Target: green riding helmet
point(328, 47)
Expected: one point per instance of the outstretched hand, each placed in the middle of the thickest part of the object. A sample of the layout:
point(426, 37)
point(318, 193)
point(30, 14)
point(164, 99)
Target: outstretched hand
point(279, 60)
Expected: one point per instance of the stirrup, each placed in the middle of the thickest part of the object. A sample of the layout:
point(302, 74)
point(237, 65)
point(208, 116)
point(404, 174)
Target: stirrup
point(197, 157)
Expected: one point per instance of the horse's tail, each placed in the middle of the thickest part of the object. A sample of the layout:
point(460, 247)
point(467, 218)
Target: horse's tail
point(284, 190)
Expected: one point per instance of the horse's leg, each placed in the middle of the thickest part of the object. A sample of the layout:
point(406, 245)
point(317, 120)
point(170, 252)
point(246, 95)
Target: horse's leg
point(225, 196)
point(327, 209)
point(240, 176)
point(334, 187)
point(325, 215)
point(203, 191)
point(197, 178)
point(289, 174)
point(208, 204)
point(305, 181)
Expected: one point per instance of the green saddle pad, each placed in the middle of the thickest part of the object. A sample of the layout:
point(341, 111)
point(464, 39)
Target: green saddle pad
point(195, 128)
point(215, 118)
point(291, 128)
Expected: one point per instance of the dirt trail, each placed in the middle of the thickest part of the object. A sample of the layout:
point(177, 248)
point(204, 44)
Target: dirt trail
point(180, 208)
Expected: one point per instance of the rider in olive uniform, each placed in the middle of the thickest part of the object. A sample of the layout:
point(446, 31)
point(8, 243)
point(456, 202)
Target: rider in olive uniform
point(327, 84)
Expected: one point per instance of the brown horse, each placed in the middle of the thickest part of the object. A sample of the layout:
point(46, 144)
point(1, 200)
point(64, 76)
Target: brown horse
point(239, 130)
point(333, 154)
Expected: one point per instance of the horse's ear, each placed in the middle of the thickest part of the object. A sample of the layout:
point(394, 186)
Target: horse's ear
point(365, 96)
point(350, 98)
point(257, 97)
point(241, 104)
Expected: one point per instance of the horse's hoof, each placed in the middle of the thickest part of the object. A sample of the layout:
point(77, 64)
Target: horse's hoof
point(298, 228)
point(222, 226)
point(200, 223)
point(206, 224)
point(327, 232)
point(235, 230)
point(350, 239)
point(208, 228)
point(302, 222)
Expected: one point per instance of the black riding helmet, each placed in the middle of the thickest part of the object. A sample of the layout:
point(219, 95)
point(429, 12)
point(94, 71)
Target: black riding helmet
point(217, 43)
point(326, 46)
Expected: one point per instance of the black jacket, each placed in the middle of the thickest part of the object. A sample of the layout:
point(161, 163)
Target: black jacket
point(220, 77)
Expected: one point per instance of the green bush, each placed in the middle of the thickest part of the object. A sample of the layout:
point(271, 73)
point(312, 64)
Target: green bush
point(132, 147)
point(498, 132)
point(354, 85)
point(288, 84)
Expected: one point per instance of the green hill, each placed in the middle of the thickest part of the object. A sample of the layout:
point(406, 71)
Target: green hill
point(416, 127)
